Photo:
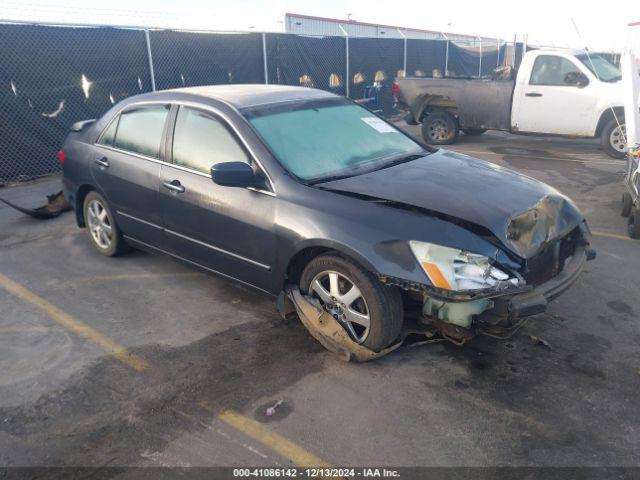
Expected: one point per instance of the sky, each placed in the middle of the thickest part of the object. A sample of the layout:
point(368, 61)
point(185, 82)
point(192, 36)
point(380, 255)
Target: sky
point(601, 24)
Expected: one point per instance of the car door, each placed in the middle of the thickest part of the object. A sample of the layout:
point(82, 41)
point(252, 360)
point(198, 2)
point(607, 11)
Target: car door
point(229, 230)
point(126, 168)
point(550, 100)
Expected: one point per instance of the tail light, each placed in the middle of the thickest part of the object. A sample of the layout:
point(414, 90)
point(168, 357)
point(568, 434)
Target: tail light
point(395, 90)
point(61, 157)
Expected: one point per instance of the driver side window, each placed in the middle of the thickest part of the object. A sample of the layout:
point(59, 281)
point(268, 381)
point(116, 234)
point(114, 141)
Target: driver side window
point(553, 70)
point(200, 141)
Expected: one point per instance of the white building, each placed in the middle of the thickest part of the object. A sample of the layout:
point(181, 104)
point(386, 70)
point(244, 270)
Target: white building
point(308, 25)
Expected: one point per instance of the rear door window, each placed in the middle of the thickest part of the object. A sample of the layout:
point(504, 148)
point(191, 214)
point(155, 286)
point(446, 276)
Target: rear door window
point(200, 141)
point(140, 130)
point(109, 134)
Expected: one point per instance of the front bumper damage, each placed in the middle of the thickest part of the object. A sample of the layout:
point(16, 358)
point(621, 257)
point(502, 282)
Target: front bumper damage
point(501, 316)
point(502, 313)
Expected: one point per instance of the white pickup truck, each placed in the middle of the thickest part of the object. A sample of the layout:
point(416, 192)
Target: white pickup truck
point(555, 92)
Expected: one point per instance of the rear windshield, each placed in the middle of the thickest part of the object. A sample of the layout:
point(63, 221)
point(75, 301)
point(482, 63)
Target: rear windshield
point(318, 140)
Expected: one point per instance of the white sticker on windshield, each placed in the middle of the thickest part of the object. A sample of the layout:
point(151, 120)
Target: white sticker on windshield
point(379, 124)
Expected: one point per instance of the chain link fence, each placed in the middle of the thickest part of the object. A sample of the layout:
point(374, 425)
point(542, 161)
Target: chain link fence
point(53, 76)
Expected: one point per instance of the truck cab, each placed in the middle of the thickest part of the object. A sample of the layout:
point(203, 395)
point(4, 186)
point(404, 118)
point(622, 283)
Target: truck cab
point(565, 93)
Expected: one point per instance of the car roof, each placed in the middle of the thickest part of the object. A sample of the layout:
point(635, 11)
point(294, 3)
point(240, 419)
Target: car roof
point(248, 95)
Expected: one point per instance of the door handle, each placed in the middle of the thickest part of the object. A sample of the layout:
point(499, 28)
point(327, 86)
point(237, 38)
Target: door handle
point(102, 162)
point(174, 186)
point(533, 94)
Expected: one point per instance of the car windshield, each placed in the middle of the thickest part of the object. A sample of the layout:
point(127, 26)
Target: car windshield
point(328, 139)
point(601, 68)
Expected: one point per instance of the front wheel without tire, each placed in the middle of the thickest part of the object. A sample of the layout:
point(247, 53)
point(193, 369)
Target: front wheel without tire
point(614, 139)
point(103, 230)
point(369, 311)
point(440, 128)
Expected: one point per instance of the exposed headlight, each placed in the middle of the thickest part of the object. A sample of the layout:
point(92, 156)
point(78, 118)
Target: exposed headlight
point(454, 269)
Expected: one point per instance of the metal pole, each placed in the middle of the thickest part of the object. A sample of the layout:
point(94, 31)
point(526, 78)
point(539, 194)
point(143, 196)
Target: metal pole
point(151, 72)
point(480, 64)
point(404, 60)
point(446, 56)
point(347, 80)
point(264, 58)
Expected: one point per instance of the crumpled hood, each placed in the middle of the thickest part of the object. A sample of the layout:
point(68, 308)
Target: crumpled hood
point(521, 212)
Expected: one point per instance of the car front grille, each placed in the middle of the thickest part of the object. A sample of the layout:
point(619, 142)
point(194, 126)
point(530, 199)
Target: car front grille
point(550, 261)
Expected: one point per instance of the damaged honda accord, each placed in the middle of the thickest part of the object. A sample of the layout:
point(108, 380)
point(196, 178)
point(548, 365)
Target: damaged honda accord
point(310, 197)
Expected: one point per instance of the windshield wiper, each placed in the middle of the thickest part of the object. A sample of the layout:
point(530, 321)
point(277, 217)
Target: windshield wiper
point(399, 160)
point(353, 173)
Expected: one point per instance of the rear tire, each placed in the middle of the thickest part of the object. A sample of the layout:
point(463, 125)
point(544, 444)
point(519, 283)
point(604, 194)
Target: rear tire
point(381, 303)
point(612, 139)
point(440, 128)
point(103, 231)
point(626, 204)
point(473, 132)
point(633, 225)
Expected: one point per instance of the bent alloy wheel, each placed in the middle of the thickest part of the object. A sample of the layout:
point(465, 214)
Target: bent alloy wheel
point(371, 313)
point(103, 231)
point(342, 299)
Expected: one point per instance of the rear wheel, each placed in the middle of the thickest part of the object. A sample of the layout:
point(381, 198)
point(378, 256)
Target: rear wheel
point(633, 226)
point(103, 230)
point(371, 313)
point(440, 128)
point(626, 204)
point(473, 132)
point(614, 139)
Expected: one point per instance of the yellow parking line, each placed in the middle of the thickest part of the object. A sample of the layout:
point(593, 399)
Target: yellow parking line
point(275, 442)
point(68, 321)
point(612, 235)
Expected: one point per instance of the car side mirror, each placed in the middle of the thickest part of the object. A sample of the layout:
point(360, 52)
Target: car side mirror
point(232, 174)
point(577, 79)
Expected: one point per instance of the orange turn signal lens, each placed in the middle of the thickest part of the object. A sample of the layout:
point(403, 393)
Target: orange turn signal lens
point(436, 276)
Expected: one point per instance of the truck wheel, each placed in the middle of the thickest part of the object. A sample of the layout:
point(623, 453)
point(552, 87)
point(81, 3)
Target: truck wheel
point(627, 204)
point(633, 227)
point(369, 311)
point(472, 132)
point(440, 128)
point(613, 139)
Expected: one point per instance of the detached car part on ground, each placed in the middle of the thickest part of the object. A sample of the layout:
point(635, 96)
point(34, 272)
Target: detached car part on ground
point(309, 197)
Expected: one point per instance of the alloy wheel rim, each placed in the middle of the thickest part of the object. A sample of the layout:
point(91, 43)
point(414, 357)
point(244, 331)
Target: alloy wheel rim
point(342, 299)
point(438, 130)
point(99, 225)
point(618, 138)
